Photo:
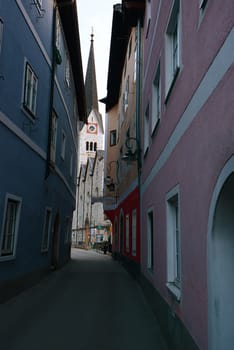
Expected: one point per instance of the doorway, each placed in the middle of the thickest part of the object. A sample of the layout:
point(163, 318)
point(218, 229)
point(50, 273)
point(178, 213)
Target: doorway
point(121, 234)
point(55, 242)
point(221, 264)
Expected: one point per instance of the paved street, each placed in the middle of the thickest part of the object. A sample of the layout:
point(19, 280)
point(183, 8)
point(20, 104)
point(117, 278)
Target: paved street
point(92, 303)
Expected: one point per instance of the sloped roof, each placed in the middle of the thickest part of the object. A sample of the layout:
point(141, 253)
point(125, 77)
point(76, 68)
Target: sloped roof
point(125, 16)
point(69, 18)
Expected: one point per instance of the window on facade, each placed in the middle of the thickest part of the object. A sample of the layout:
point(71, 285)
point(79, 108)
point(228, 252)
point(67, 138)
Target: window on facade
point(10, 226)
point(113, 137)
point(148, 16)
point(156, 100)
point(202, 4)
point(1, 34)
point(126, 94)
point(67, 71)
point(58, 31)
point(38, 3)
point(130, 48)
point(122, 112)
point(91, 146)
point(135, 64)
point(53, 137)
point(30, 90)
point(127, 233)
point(87, 145)
point(71, 165)
point(46, 230)
point(173, 46)
point(173, 243)
point(146, 130)
point(95, 146)
point(134, 232)
point(67, 230)
point(150, 240)
point(63, 145)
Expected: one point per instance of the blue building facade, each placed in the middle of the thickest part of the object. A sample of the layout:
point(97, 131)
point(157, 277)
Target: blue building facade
point(41, 101)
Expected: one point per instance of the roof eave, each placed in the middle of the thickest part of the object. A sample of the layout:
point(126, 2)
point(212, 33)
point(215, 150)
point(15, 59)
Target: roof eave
point(69, 18)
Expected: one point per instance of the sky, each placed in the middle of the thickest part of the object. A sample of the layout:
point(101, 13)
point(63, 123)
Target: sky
point(97, 15)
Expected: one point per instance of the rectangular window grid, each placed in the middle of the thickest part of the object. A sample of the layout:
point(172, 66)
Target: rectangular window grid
point(30, 90)
point(134, 232)
point(10, 226)
point(150, 240)
point(156, 100)
point(46, 230)
point(173, 243)
point(53, 137)
point(1, 34)
point(127, 233)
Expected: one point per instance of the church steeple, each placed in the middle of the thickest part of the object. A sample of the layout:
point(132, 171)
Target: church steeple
point(90, 81)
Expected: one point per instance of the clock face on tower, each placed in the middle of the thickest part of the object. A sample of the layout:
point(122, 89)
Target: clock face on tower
point(92, 128)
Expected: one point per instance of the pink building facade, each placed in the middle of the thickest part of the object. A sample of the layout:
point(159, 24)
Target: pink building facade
point(187, 192)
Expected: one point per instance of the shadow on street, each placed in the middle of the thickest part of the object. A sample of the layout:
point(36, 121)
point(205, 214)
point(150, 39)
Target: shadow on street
point(91, 303)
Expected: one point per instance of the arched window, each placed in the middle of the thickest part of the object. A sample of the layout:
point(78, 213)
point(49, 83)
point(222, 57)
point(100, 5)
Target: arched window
point(95, 146)
point(87, 146)
point(91, 146)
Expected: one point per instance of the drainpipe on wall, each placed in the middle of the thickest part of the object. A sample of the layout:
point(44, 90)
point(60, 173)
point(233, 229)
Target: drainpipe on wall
point(138, 118)
point(52, 83)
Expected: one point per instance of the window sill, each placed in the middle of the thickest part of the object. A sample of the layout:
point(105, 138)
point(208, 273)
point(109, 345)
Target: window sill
point(7, 257)
point(155, 127)
point(172, 83)
point(174, 290)
point(146, 151)
point(44, 250)
point(28, 114)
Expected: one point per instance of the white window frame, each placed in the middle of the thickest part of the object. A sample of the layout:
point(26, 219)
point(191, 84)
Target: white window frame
point(53, 140)
point(146, 129)
point(1, 34)
point(173, 242)
point(71, 165)
point(150, 239)
point(156, 100)
point(38, 4)
point(113, 137)
point(135, 64)
point(127, 233)
point(134, 231)
point(30, 90)
point(63, 145)
point(148, 17)
point(58, 31)
point(173, 47)
point(126, 94)
point(202, 4)
point(67, 230)
point(67, 71)
point(46, 229)
point(10, 254)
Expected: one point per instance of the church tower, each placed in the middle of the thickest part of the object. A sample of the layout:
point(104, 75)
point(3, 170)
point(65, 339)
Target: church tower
point(92, 133)
point(88, 217)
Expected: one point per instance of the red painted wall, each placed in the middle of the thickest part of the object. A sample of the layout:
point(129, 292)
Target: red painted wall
point(126, 207)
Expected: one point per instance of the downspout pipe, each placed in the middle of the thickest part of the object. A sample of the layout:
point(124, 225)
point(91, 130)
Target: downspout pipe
point(138, 101)
point(52, 84)
point(138, 123)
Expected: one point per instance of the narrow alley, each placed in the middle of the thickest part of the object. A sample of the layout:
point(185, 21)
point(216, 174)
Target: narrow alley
point(91, 303)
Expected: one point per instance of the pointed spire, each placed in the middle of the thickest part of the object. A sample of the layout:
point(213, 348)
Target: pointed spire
point(90, 80)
